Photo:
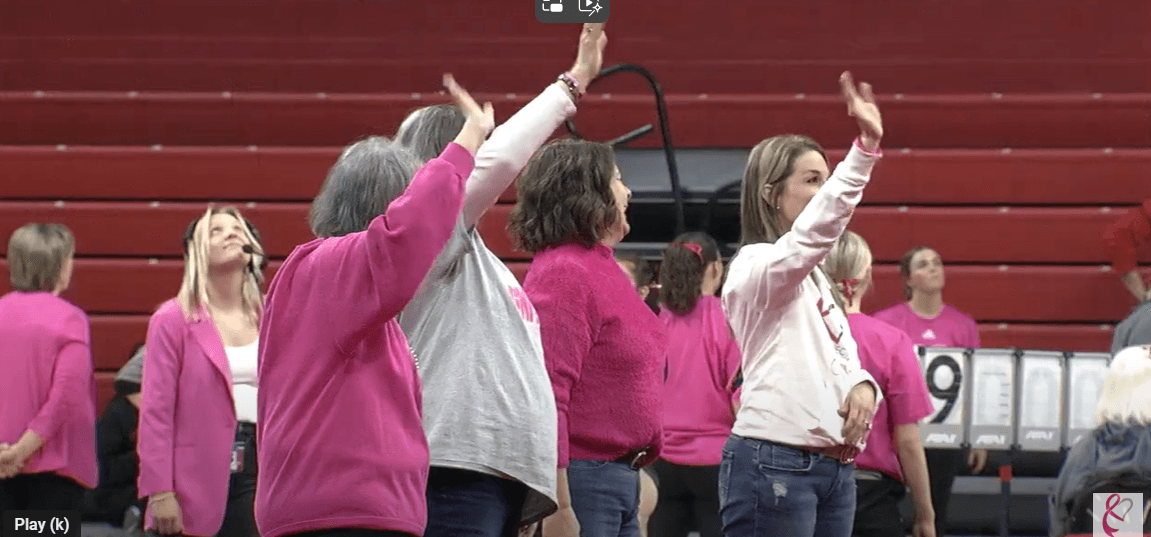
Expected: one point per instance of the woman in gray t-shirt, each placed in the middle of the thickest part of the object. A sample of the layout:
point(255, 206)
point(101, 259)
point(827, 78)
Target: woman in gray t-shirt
point(489, 411)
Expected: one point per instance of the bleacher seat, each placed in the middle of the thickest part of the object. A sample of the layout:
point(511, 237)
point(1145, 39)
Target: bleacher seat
point(697, 120)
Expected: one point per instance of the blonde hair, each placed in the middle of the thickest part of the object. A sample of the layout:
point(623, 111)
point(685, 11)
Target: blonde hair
point(1127, 388)
point(36, 256)
point(194, 289)
point(769, 165)
point(849, 259)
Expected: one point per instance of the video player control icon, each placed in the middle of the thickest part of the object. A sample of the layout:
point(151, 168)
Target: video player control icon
point(573, 11)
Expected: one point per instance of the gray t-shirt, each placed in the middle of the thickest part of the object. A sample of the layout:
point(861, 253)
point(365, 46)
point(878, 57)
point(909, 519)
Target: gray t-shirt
point(488, 401)
point(1133, 331)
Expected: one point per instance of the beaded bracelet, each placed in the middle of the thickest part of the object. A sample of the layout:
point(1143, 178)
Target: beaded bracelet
point(572, 84)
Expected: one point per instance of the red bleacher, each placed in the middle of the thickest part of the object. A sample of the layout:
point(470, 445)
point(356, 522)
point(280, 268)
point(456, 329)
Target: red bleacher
point(121, 120)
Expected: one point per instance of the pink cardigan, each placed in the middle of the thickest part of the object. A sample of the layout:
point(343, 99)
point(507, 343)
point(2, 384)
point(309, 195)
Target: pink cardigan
point(605, 353)
point(187, 418)
point(340, 436)
point(47, 384)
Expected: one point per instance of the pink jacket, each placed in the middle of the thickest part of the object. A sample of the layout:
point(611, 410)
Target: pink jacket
point(187, 418)
point(340, 432)
point(47, 385)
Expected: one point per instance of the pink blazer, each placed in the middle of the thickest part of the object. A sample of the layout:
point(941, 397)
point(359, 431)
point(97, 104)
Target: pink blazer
point(187, 418)
point(48, 385)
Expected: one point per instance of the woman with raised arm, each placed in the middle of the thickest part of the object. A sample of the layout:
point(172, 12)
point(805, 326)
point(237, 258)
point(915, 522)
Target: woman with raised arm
point(198, 389)
point(47, 392)
point(604, 347)
point(894, 454)
point(806, 403)
point(489, 412)
point(342, 447)
point(697, 417)
point(930, 322)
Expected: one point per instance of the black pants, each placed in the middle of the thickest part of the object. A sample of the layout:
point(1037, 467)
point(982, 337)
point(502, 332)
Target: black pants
point(942, 467)
point(45, 491)
point(240, 514)
point(877, 508)
point(688, 501)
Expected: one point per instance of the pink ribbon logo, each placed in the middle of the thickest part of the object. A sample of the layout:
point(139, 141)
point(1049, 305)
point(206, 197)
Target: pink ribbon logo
point(1114, 502)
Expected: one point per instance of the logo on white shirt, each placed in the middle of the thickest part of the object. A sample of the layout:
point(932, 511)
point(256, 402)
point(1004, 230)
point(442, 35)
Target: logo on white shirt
point(929, 334)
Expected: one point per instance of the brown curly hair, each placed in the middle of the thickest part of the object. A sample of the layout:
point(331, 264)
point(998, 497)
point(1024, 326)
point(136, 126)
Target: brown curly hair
point(564, 196)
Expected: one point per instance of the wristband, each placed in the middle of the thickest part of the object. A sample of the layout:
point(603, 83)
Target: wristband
point(878, 152)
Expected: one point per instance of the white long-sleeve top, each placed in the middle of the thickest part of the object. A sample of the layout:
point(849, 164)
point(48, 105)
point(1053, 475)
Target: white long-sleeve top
point(799, 359)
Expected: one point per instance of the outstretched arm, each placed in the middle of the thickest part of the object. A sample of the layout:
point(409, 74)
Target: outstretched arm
point(500, 160)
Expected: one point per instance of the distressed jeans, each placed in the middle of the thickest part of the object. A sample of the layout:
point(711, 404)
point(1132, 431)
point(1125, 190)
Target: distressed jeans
point(769, 489)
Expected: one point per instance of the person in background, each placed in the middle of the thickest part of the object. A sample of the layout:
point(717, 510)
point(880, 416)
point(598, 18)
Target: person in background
point(47, 389)
point(116, 432)
point(1120, 443)
point(196, 439)
point(489, 412)
point(697, 417)
point(930, 322)
point(639, 273)
point(604, 348)
point(806, 403)
point(342, 444)
point(894, 454)
point(1123, 241)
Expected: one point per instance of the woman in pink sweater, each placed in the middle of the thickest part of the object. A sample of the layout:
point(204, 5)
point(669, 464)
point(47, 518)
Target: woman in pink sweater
point(604, 348)
point(47, 393)
point(697, 417)
point(894, 455)
point(342, 446)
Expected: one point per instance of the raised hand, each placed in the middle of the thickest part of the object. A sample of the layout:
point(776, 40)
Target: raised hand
point(861, 106)
point(589, 59)
point(480, 120)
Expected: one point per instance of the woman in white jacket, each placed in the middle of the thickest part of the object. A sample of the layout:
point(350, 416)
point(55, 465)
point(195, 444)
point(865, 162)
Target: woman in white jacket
point(806, 403)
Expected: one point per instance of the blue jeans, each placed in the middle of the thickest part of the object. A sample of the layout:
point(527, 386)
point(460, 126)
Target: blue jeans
point(768, 489)
point(472, 504)
point(605, 498)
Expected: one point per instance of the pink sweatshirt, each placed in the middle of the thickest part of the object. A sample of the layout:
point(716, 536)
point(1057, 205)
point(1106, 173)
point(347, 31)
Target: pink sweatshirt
point(47, 384)
point(702, 358)
point(951, 328)
point(341, 442)
point(605, 353)
point(888, 354)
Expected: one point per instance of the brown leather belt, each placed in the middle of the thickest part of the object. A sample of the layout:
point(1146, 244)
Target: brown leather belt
point(843, 454)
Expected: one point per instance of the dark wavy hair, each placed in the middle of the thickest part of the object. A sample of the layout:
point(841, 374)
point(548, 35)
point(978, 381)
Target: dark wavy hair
point(681, 272)
point(564, 196)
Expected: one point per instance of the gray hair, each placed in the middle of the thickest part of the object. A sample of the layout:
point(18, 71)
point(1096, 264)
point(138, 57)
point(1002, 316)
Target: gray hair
point(427, 131)
point(36, 256)
point(366, 178)
point(1126, 394)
